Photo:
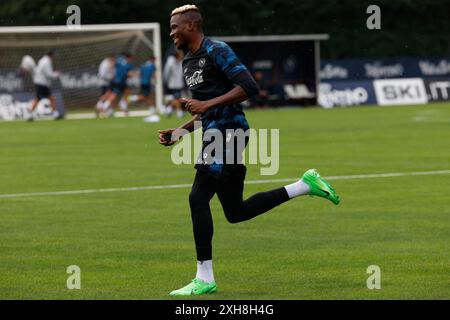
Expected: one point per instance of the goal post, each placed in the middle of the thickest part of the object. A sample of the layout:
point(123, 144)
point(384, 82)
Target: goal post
point(78, 55)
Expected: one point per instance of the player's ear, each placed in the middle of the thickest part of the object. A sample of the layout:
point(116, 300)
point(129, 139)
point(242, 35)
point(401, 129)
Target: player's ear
point(190, 26)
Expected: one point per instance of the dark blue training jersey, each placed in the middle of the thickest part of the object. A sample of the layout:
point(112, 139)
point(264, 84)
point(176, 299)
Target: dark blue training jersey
point(146, 72)
point(211, 72)
point(122, 68)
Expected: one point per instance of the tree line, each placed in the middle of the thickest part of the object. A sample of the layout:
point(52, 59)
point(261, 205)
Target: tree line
point(409, 28)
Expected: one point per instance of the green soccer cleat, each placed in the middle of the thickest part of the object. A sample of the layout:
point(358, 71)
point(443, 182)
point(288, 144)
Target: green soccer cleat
point(195, 288)
point(319, 187)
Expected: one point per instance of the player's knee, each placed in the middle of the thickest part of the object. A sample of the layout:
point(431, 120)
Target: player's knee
point(233, 215)
point(196, 200)
point(233, 220)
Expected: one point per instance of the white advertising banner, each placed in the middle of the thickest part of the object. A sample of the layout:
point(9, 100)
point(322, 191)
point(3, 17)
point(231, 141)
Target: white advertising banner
point(400, 91)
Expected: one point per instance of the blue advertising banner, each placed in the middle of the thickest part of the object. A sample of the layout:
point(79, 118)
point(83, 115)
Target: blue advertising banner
point(346, 93)
point(370, 69)
point(384, 92)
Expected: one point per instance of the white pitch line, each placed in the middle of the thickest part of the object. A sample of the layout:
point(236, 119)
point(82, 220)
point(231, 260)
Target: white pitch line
point(91, 115)
point(179, 186)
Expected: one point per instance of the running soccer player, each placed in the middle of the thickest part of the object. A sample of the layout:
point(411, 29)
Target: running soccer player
point(43, 75)
point(123, 70)
point(219, 82)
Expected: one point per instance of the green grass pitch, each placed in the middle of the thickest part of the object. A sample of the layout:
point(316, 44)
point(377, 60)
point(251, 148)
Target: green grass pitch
point(139, 244)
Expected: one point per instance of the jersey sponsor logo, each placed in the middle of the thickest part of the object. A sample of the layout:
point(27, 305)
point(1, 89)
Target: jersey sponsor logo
point(195, 79)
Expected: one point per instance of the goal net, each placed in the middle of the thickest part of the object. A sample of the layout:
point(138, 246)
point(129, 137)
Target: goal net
point(78, 55)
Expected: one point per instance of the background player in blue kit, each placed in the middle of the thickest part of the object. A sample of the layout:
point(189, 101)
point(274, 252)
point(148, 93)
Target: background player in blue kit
point(146, 74)
point(219, 82)
point(122, 70)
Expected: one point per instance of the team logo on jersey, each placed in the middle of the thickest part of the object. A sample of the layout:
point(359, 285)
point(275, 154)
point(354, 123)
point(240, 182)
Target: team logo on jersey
point(195, 79)
point(201, 62)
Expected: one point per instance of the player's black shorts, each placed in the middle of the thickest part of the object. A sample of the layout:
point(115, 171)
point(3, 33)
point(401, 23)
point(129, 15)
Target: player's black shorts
point(229, 162)
point(176, 93)
point(42, 91)
point(105, 88)
point(118, 88)
point(146, 89)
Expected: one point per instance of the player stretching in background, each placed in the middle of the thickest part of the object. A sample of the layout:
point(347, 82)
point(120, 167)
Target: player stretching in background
point(219, 82)
point(123, 70)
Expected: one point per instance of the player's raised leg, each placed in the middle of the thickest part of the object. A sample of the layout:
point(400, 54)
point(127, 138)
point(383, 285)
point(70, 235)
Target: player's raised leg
point(238, 210)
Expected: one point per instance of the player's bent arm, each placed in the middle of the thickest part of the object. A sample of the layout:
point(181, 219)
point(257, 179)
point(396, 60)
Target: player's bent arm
point(235, 95)
point(189, 126)
point(50, 73)
point(178, 133)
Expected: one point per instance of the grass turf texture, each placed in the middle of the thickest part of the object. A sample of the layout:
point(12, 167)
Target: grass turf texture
point(139, 244)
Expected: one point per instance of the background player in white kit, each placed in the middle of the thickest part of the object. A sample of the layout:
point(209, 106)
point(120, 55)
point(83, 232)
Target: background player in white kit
point(106, 73)
point(174, 78)
point(43, 76)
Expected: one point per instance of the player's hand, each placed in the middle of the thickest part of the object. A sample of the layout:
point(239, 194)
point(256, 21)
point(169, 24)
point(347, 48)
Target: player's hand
point(164, 137)
point(168, 137)
point(194, 106)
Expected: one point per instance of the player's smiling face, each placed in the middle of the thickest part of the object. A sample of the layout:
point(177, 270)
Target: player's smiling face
point(179, 29)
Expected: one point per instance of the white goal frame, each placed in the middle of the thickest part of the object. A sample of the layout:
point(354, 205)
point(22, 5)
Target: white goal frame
point(156, 45)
